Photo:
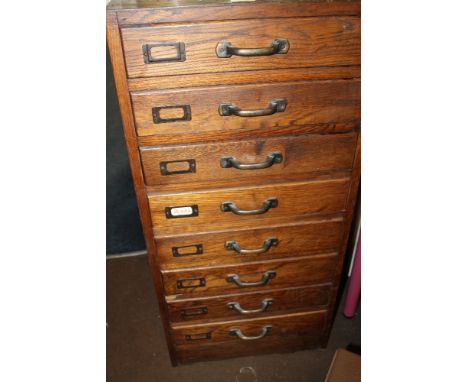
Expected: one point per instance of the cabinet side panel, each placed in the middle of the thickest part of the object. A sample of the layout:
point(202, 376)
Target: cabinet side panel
point(350, 205)
point(115, 49)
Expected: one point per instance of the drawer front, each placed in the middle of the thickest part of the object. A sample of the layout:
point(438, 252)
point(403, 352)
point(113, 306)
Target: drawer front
point(202, 47)
point(244, 245)
point(254, 330)
point(246, 159)
point(217, 351)
point(298, 271)
point(209, 210)
point(248, 305)
point(199, 114)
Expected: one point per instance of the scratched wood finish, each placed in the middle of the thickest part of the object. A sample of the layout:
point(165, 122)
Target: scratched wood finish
point(308, 103)
point(281, 326)
point(295, 200)
point(302, 154)
point(314, 41)
point(216, 308)
point(299, 271)
point(298, 238)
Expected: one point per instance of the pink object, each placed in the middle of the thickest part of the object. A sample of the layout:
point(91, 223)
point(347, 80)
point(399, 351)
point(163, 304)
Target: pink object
point(354, 288)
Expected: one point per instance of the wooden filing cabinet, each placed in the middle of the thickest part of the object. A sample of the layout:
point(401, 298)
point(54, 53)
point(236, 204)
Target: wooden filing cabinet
point(242, 123)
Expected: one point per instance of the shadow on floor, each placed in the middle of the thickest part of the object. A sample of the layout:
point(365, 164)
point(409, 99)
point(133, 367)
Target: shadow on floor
point(136, 348)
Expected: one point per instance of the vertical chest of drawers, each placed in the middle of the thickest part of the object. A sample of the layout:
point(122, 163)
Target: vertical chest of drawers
point(242, 128)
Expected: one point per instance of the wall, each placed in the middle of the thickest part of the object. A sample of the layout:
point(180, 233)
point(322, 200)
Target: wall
point(123, 228)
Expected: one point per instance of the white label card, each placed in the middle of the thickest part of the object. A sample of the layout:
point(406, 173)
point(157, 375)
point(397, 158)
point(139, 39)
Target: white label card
point(181, 211)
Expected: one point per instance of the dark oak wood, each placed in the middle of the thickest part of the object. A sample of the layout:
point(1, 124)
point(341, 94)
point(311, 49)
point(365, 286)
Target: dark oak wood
point(314, 41)
point(299, 271)
point(316, 182)
point(302, 154)
point(308, 103)
point(295, 200)
point(297, 238)
point(212, 309)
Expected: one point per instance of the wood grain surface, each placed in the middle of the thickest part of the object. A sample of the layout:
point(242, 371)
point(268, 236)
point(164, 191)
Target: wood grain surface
point(248, 181)
point(295, 201)
point(299, 271)
point(349, 216)
point(295, 323)
point(314, 41)
point(161, 4)
point(302, 333)
point(315, 184)
point(300, 155)
point(220, 350)
point(211, 309)
point(245, 78)
point(193, 11)
point(116, 53)
point(308, 103)
point(298, 238)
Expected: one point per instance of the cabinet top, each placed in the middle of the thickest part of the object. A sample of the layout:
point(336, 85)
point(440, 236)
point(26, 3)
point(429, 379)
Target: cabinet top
point(137, 4)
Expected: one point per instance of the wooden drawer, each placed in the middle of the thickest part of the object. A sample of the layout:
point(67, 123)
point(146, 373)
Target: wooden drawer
point(247, 305)
point(193, 48)
point(216, 351)
point(211, 281)
point(297, 330)
point(164, 165)
point(200, 211)
point(188, 115)
point(271, 242)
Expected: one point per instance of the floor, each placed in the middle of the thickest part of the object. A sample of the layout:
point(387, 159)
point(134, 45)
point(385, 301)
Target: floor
point(136, 349)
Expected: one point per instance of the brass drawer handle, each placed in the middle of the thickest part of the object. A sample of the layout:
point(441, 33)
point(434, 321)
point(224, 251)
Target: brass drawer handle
point(267, 204)
point(267, 244)
point(274, 106)
point(236, 306)
point(237, 332)
point(227, 162)
point(233, 278)
point(225, 49)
